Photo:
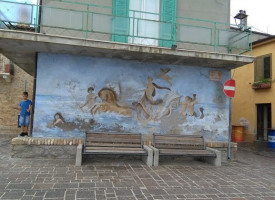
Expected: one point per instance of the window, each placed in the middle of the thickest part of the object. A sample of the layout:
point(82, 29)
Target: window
point(144, 22)
point(138, 22)
point(262, 67)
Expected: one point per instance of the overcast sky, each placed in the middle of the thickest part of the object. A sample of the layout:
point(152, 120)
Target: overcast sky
point(261, 14)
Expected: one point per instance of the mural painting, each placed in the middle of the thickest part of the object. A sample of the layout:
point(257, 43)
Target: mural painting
point(75, 94)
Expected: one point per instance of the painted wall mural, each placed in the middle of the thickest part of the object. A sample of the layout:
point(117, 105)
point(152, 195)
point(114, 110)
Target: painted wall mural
point(75, 94)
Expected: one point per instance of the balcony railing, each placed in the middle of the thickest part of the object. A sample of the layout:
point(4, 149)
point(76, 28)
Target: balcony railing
point(97, 22)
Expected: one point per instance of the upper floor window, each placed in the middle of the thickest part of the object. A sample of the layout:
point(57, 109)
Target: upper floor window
point(262, 67)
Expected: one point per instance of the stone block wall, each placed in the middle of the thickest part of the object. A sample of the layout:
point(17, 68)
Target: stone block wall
point(27, 147)
point(10, 95)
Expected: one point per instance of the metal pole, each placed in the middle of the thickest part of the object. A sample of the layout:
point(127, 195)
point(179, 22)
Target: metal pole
point(229, 131)
point(25, 87)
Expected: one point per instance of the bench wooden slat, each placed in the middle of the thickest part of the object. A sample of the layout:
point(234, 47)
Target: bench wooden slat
point(171, 146)
point(177, 136)
point(104, 144)
point(182, 139)
point(186, 152)
point(114, 135)
point(113, 140)
point(112, 150)
point(178, 142)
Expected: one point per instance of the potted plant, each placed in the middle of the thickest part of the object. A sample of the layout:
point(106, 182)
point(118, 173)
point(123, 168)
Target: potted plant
point(262, 84)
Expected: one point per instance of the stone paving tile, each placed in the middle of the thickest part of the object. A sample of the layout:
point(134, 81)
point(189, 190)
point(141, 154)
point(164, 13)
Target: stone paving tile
point(252, 177)
point(85, 194)
point(13, 195)
point(27, 198)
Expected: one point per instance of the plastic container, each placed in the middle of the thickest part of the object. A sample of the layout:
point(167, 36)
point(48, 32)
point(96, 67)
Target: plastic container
point(271, 139)
point(237, 133)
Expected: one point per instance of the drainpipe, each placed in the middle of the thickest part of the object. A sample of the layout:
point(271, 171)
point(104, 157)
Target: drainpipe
point(39, 15)
point(34, 93)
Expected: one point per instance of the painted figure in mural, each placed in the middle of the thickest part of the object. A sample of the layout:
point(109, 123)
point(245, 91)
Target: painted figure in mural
point(109, 103)
point(24, 118)
point(90, 102)
point(148, 98)
point(80, 124)
point(162, 75)
point(58, 119)
point(188, 104)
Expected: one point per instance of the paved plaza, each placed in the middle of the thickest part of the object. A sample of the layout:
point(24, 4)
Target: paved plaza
point(251, 177)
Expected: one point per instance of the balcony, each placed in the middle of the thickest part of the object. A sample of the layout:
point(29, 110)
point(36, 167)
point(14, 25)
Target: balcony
point(96, 22)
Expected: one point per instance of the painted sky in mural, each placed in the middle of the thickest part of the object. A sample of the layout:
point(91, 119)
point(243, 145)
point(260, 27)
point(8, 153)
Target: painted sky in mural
point(75, 94)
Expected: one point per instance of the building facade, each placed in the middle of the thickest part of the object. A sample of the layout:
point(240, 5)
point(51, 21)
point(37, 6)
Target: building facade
point(253, 104)
point(13, 81)
point(128, 66)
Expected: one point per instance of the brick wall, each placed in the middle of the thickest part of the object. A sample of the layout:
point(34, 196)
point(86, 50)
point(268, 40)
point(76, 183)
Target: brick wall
point(10, 95)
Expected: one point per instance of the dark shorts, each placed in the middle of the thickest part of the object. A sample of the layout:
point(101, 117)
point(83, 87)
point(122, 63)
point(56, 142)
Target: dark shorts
point(24, 120)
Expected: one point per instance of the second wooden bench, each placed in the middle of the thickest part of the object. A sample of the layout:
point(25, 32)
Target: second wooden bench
point(185, 145)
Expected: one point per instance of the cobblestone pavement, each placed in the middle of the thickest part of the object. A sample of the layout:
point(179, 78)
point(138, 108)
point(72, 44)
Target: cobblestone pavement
point(252, 177)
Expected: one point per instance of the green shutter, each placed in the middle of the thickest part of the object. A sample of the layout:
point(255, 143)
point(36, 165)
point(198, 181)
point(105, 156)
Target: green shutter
point(258, 69)
point(168, 23)
point(120, 24)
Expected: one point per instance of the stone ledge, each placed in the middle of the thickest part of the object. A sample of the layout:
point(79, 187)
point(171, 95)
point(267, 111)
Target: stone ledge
point(47, 141)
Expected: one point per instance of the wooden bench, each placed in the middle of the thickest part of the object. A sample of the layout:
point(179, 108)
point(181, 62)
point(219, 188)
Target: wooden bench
point(98, 143)
point(185, 145)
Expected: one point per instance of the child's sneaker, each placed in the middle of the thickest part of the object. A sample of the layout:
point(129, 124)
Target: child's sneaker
point(21, 134)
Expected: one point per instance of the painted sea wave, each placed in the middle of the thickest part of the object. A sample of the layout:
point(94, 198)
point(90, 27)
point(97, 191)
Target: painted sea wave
point(214, 124)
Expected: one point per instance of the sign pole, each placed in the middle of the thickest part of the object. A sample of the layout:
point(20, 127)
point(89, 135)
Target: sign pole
point(229, 131)
point(229, 90)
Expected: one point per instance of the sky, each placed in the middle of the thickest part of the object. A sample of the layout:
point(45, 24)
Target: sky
point(261, 14)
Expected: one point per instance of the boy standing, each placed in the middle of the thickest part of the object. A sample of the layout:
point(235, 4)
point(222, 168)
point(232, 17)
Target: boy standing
point(24, 119)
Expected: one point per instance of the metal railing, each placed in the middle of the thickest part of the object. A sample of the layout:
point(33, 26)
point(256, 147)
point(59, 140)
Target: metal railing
point(97, 22)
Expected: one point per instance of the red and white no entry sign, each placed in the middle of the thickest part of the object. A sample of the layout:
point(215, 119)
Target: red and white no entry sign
point(229, 88)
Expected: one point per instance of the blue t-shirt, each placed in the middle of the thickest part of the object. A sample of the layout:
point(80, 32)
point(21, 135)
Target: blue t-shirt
point(24, 106)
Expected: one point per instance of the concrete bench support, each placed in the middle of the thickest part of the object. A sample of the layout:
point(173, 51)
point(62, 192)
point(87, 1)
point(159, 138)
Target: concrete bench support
point(214, 161)
point(78, 158)
point(156, 156)
point(148, 159)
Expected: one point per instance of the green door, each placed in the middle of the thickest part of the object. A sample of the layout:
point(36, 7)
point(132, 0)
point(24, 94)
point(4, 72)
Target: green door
point(120, 23)
point(168, 23)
